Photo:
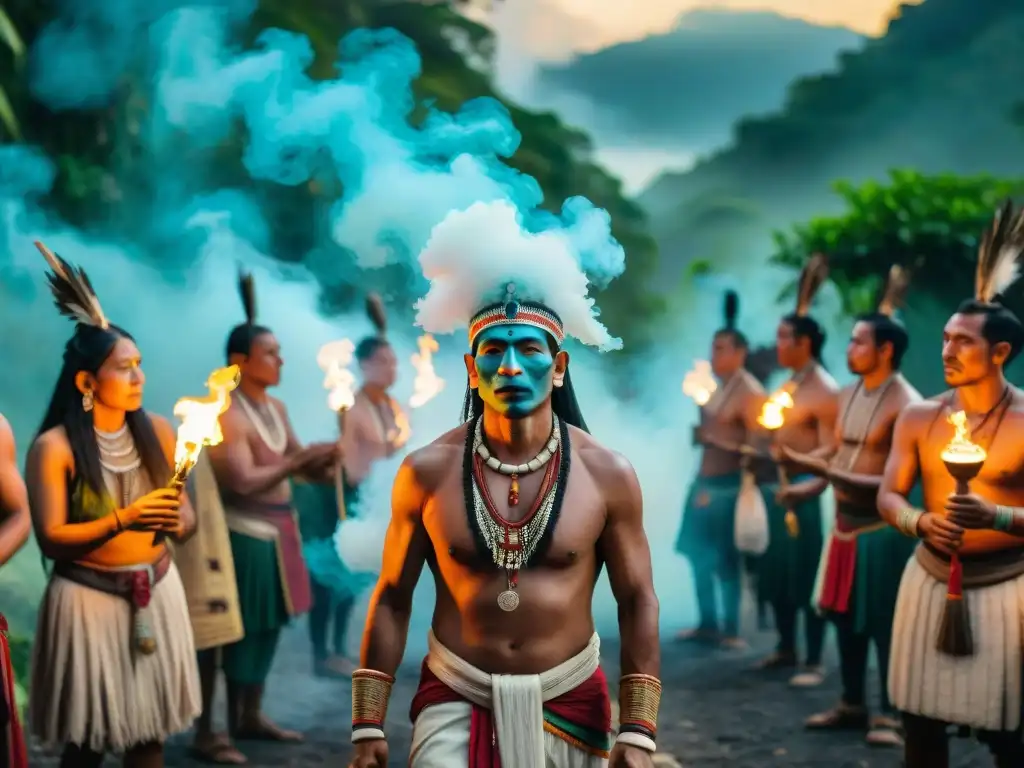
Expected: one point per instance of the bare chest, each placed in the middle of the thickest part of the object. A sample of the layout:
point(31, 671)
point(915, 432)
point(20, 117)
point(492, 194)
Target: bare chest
point(459, 531)
point(1001, 478)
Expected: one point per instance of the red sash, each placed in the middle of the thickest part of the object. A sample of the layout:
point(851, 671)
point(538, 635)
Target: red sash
point(840, 567)
point(587, 706)
point(17, 752)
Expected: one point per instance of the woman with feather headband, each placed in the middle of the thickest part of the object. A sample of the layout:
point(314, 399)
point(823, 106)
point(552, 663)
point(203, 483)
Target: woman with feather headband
point(787, 570)
point(864, 556)
point(516, 511)
point(113, 666)
point(252, 467)
point(706, 537)
point(957, 640)
point(375, 428)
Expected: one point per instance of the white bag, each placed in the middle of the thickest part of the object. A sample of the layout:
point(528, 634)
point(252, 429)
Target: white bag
point(750, 531)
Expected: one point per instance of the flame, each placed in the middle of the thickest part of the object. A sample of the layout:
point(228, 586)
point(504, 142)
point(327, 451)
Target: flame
point(699, 384)
point(428, 384)
point(960, 449)
point(334, 358)
point(200, 418)
point(772, 414)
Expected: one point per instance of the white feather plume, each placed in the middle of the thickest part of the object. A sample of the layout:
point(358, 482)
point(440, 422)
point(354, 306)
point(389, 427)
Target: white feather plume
point(999, 253)
point(473, 254)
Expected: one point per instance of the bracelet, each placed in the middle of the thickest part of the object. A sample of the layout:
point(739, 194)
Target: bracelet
point(370, 693)
point(907, 521)
point(639, 700)
point(1005, 517)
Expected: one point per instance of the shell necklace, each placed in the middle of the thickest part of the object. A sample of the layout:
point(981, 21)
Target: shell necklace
point(120, 458)
point(513, 544)
point(513, 471)
point(276, 442)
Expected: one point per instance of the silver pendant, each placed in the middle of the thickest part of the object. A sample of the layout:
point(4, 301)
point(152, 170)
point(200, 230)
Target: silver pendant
point(508, 600)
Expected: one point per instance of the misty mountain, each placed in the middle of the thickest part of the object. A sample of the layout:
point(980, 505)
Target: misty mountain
point(685, 88)
point(936, 94)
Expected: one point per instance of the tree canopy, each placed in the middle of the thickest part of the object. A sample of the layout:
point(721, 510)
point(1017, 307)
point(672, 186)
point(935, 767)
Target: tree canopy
point(930, 223)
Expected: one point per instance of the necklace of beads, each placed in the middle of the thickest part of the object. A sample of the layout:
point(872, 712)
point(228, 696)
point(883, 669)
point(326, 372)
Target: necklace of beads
point(512, 544)
point(279, 440)
point(120, 458)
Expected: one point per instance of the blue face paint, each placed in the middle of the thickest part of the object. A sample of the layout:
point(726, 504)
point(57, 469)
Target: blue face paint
point(514, 366)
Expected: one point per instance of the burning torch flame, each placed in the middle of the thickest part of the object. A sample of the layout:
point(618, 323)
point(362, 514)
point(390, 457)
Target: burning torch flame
point(200, 420)
point(334, 358)
point(960, 449)
point(428, 384)
point(772, 414)
point(699, 384)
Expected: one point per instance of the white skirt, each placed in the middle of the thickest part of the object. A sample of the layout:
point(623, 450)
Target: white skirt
point(91, 689)
point(980, 691)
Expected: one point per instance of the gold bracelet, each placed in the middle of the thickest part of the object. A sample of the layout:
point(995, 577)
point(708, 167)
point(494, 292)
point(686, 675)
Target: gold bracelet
point(371, 691)
point(907, 521)
point(639, 700)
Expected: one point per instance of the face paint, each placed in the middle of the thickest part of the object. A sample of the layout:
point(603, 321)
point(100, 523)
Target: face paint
point(514, 366)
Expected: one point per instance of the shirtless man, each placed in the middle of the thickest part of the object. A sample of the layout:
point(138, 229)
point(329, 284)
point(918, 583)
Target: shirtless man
point(864, 557)
point(15, 524)
point(375, 428)
point(787, 571)
point(515, 512)
point(706, 537)
point(979, 687)
point(252, 466)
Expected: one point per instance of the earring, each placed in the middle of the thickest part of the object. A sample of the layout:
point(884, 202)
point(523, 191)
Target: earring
point(87, 400)
point(558, 382)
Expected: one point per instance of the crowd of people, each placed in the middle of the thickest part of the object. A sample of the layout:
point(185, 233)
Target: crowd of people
point(153, 593)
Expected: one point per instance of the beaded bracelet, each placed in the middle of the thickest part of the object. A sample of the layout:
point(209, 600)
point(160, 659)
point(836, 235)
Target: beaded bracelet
point(907, 521)
point(370, 693)
point(639, 700)
point(1005, 518)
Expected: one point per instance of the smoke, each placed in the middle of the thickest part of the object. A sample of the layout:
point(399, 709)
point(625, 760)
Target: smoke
point(400, 180)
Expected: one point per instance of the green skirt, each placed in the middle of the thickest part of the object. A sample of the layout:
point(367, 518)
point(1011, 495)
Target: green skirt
point(260, 594)
point(788, 570)
point(882, 555)
point(707, 533)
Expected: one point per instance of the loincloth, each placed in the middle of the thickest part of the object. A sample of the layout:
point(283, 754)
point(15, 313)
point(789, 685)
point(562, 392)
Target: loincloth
point(982, 690)
point(465, 717)
point(275, 524)
point(15, 752)
point(706, 533)
point(90, 687)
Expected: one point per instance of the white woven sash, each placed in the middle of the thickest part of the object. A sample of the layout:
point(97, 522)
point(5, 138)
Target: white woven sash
point(517, 701)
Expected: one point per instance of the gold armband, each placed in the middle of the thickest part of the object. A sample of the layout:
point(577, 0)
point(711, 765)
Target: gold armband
point(370, 693)
point(639, 700)
point(907, 520)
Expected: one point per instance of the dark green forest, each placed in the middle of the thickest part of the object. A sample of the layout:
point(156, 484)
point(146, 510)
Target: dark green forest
point(96, 149)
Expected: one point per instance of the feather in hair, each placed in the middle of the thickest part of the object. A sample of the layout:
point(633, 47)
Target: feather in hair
point(999, 254)
point(731, 309)
point(73, 294)
point(894, 291)
point(378, 316)
point(247, 290)
point(814, 274)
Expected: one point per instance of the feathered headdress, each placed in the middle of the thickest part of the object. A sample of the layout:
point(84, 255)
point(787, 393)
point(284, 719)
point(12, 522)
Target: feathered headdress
point(731, 309)
point(378, 316)
point(813, 276)
point(486, 268)
point(999, 254)
point(247, 290)
point(894, 291)
point(72, 291)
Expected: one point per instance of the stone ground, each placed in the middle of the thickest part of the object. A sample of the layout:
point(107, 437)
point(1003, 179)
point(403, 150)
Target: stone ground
point(715, 712)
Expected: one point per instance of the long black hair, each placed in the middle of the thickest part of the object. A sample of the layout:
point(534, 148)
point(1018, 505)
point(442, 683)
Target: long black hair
point(563, 399)
point(87, 350)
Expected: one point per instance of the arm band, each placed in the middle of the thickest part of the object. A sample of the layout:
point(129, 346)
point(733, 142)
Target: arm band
point(370, 693)
point(639, 699)
point(907, 521)
point(1008, 518)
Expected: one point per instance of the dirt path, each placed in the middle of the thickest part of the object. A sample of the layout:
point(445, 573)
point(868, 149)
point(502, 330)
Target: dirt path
point(715, 713)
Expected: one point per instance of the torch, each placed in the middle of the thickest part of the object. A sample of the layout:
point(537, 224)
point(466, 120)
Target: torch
point(699, 385)
point(334, 358)
point(963, 460)
point(772, 417)
point(427, 384)
point(200, 425)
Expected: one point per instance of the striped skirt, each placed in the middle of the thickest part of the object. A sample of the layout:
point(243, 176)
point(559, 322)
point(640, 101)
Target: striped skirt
point(981, 691)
